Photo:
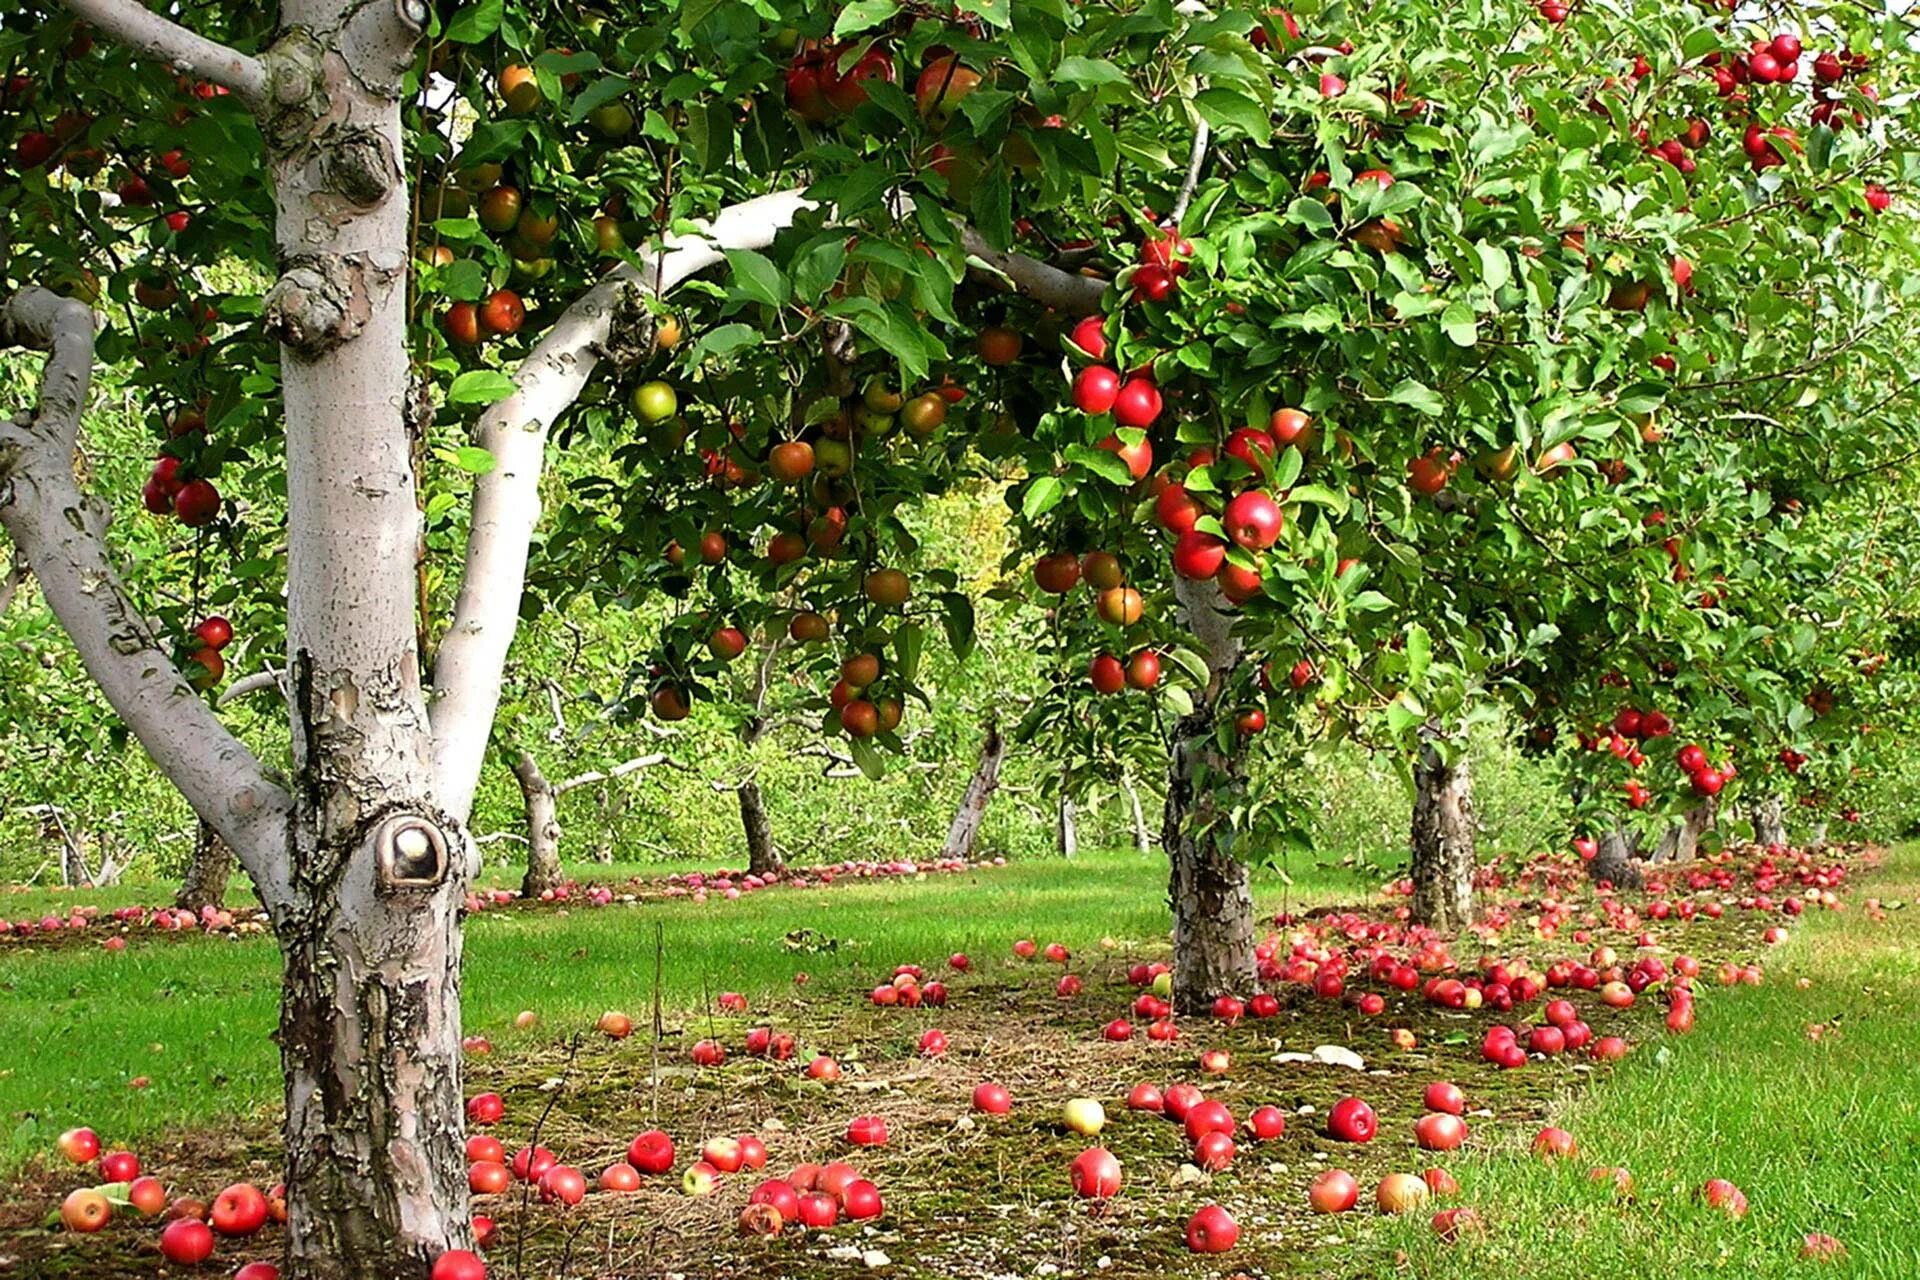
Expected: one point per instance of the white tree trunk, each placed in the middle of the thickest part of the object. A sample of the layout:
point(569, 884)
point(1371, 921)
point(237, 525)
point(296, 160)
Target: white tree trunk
point(1769, 816)
point(543, 828)
point(1142, 837)
point(1680, 842)
point(205, 884)
point(965, 828)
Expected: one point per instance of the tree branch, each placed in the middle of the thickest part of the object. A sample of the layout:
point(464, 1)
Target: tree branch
point(620, 770)
point(60, 533)
point(148, 34)
point(506, 503)
point(1195, 163)
point(258, 682)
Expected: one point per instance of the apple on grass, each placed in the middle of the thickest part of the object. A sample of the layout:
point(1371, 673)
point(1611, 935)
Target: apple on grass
point(240, 1210)
point(1084, 1116)
point(1334, 1191)
point(992, 1098)
point(1212, 1230)
point(80, 1146)
point(187, 1242)
point(85, 1211)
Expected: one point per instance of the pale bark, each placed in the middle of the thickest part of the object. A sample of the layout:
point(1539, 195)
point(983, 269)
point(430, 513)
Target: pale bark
point(1817, 836)
point(506, 503)
point(370, 1016)
point(205, 884)
point(1211, 890)
point(1442, 842)
point(11, 580)
point(1066, 827)
point(964, 830)
point(1769, 816)
point(1142, 837)
point(148, 34)
point(543, 828)
point(1680, 842)
point(59, 534)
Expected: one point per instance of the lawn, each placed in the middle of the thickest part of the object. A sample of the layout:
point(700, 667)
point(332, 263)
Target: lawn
point(1822, 1133)
point(1808, 1099)
point(192, 1017)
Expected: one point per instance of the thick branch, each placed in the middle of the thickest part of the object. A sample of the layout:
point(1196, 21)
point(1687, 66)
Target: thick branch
point(247, 686)
point(148, 34)
point(60, 533)
point(1065, 291)
point(506, 504)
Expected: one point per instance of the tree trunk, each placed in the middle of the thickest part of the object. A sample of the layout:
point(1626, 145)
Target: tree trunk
point(609, 812)
point(1614, 863)
point(543, 828)
point(1817, 836)
point(1680, 842)
point(763, 858)
point(965, 828)
point(1142, 838)
point(1769, 816)
point(1210, 889)
point(1443, 840)
point(206, 881)
point(1066, 828)
point(370, 1018)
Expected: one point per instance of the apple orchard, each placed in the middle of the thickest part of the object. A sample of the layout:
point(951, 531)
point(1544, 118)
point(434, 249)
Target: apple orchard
point(1372, 377)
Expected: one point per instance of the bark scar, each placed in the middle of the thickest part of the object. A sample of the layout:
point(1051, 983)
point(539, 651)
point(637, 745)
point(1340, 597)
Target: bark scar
point(324, 300)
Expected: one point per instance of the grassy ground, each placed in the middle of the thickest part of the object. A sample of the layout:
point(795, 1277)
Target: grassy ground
point(193, 1016)
point(1823, 1134)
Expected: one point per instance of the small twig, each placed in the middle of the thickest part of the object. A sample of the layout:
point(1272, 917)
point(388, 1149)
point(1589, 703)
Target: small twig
point(1196, 161)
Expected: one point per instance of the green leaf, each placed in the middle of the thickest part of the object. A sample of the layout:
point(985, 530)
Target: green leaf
point(756, 278)
point(1310, 213)
point(476, 22)
point(868, 759)
point(480, 386)
point(1225, 108)
point(816, 267)
point(1419, 651)
point(895, 331)
point(473, 459)
point(1178, 700)
point(908, 643)
point(1088, 73)
point(1335, 500)
point(725, 340)
point(1496, 269)
point(1102, 463)
point(1416, 395)
point(1460, 325)
point(993, 206)
point(863, 15)
point(958, 619)
point(1042, 496)
point(596, 95)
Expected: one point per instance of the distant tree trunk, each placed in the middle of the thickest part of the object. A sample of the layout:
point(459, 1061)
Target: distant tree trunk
point(543, 829)
point(1817, 836)
point(1769, 816)
point(1614, 862)
point(1066, 828)
point(965, 828)
point(1680, 842)
point(1443, 839)
point(206, 881)
point(1211, 890)
point(1142, 838)
point(609, 810)
point(763, 858)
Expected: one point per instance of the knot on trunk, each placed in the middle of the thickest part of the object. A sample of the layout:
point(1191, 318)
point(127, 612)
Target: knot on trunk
point(296, 97)
point(322, 301)
point(360, 166)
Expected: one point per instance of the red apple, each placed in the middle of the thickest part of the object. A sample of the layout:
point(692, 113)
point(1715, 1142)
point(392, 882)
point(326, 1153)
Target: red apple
point(651, 1153)
point(1212, 1230)
point(80, 1146)
point(1439, 1131)
point(1095, 1174)
point(85, 1211)
point(240, 1210)
point(1253, 520)
point(187, 1242)
point(1334, 1191)
point(1352, 1120)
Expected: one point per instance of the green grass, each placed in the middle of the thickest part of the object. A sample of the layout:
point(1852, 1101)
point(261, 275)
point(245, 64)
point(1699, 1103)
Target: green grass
point(194, 1016)
point(1823, 1136)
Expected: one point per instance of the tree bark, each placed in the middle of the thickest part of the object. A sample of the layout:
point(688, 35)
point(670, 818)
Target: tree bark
point(1443, 842)
point(1066, 827)
point(543, 828)
point(1142, 838)
point(763, 857)
point(207, 875)
point(1769, 816)
point(1680, 842)
point(1817, 836)
point(965, 828)
point(1614, 862)
point(1211, 890)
